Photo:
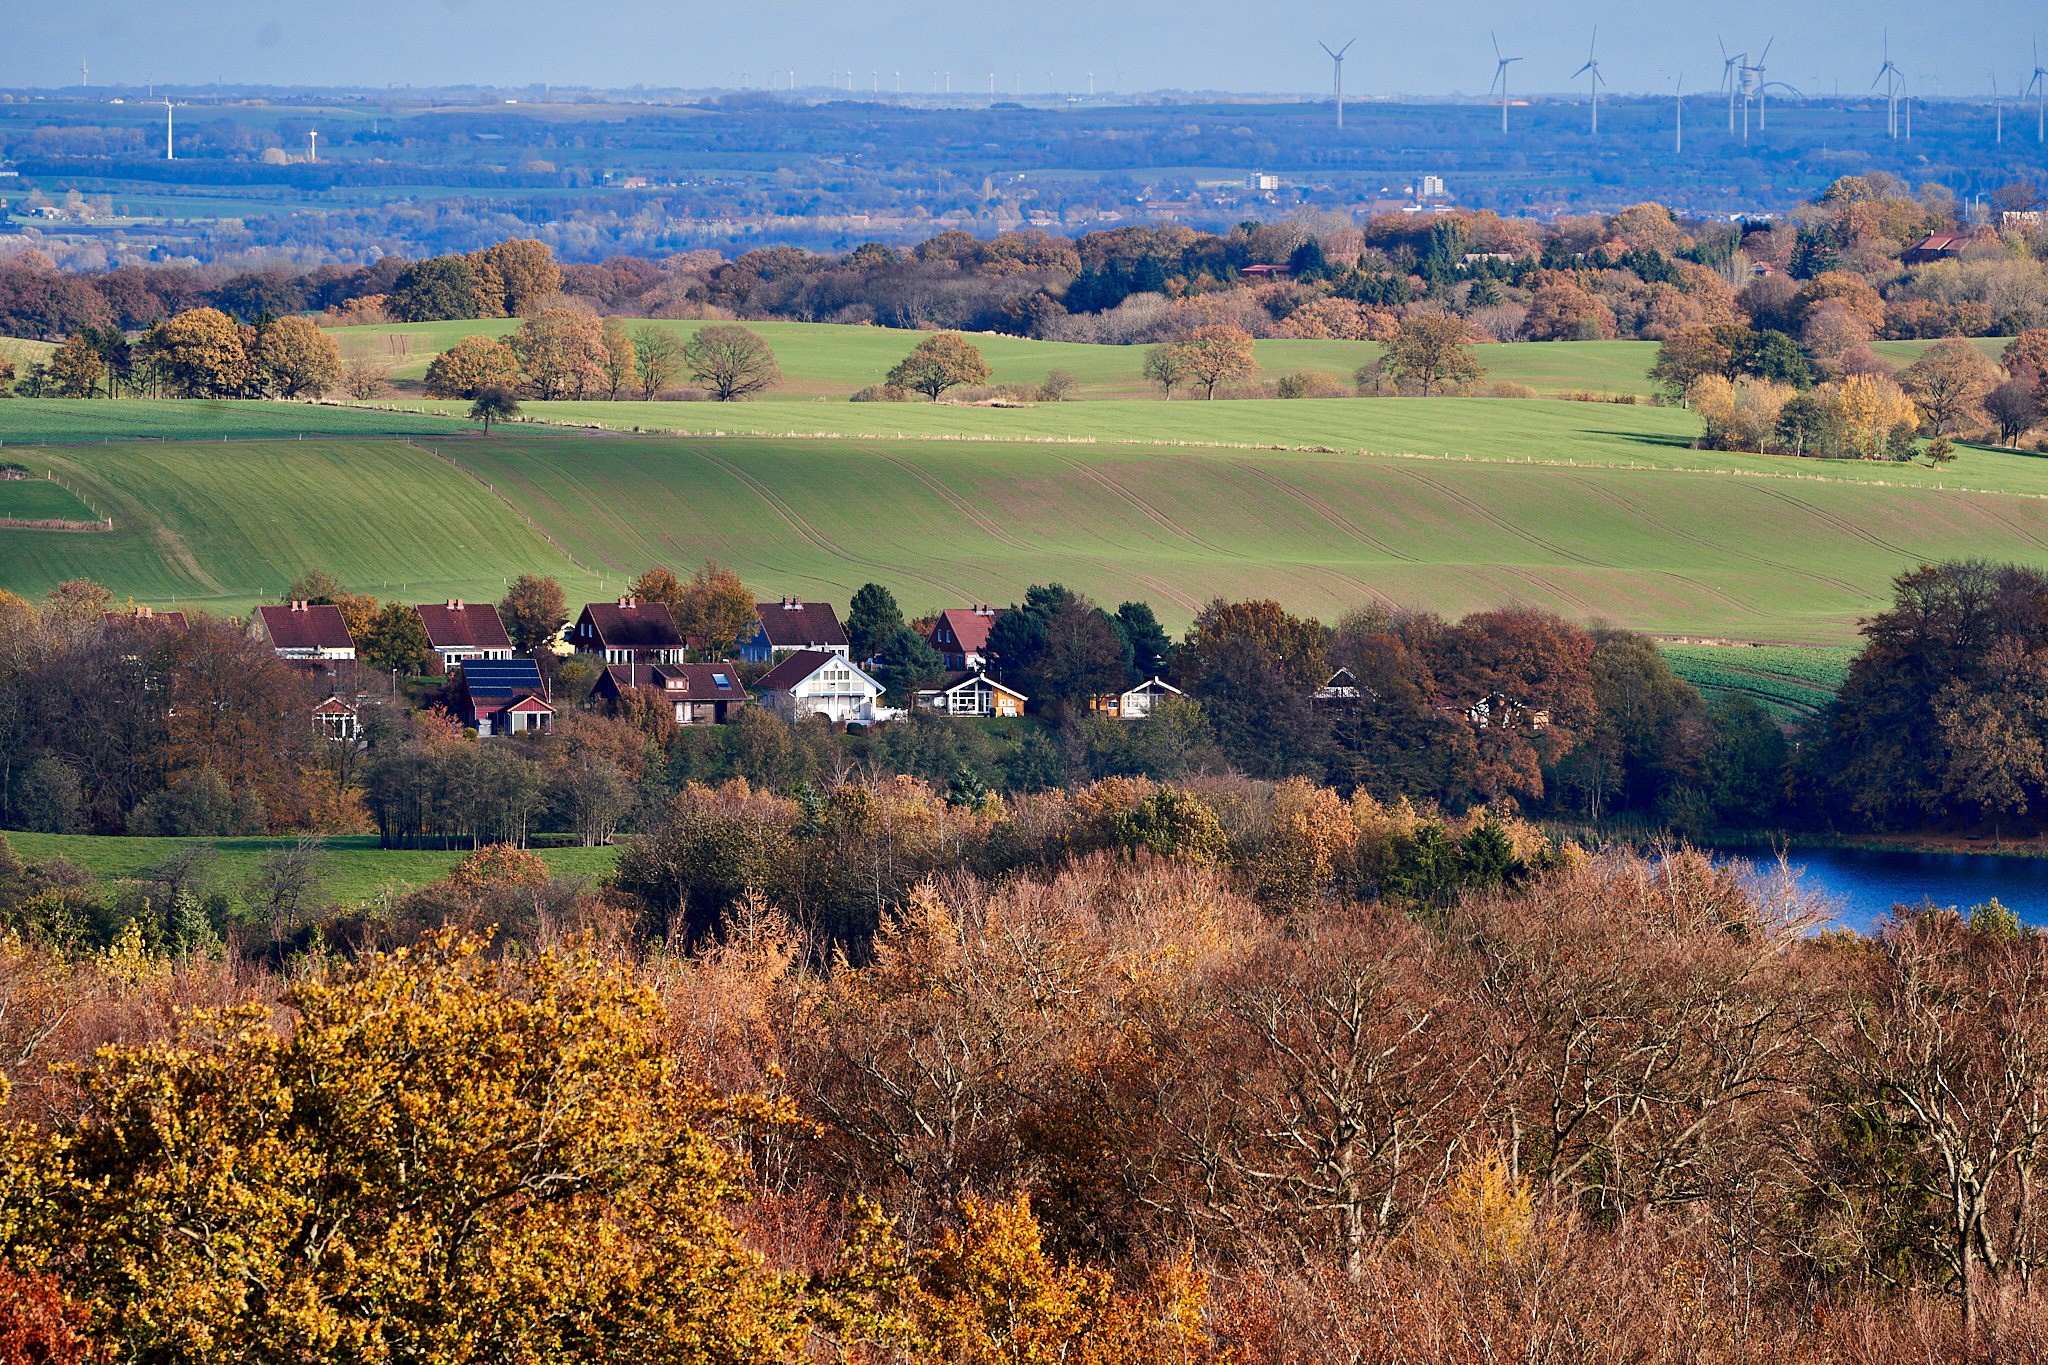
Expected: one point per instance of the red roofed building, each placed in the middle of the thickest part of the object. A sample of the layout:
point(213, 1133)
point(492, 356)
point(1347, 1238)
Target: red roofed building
point(628, 631)
point(459, 630)
point(961, 635)
point(143, 618)
point(794, 624)
point(1935, 246)
point(337, 720)
point(701, 694)
point(304, 632)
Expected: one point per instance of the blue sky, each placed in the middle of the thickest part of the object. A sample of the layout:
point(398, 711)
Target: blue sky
point(1951, 48)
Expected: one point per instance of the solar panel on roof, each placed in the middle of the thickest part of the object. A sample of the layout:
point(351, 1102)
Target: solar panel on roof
point(500, 677)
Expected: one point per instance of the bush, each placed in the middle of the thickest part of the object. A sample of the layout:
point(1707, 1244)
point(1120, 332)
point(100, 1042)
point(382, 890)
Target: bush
point(1058, 387)
point(882, 393)
point(1309, 384)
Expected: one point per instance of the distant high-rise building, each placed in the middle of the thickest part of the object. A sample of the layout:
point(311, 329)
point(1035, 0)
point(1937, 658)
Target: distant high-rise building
point(1432, 187)
point(1260, 182)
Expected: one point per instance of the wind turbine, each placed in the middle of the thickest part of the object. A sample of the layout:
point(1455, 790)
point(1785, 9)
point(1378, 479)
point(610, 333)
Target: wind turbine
point(1730, 66)
point(1500, 79)
point(1761, 84)
point(1998, 103)
point(1593, 66)
point(1337, 61)
point(2039, 81)
point(1678, 115)
point(1891, 77)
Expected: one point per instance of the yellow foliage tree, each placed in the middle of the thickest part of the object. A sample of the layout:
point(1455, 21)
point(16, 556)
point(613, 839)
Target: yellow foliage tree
point(441, 1160)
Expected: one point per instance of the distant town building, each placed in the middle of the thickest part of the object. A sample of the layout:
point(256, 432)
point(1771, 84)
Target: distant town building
point(1258, 182)
point(1432, 187)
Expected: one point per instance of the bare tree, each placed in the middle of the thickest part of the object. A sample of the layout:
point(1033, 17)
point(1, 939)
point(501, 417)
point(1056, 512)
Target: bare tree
point(732, 361)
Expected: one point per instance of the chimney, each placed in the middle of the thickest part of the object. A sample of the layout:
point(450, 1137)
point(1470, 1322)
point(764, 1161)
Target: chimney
point(143, 613)
point(626, 601)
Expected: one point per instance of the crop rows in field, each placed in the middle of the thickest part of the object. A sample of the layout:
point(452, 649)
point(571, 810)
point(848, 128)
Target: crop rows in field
point(1795, 681)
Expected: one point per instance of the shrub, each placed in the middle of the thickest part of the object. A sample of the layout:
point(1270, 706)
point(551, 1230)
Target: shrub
point(882, 393)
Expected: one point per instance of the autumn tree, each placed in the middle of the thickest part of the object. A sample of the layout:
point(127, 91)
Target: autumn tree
point(396, 641)
point(1166, 366)
point(1428, 351)
point(657, 360)
point(366, 377)
point(534, 612)
point(1297, 645)
point(201, 353)
point(730, 360)
point(295, 357)
point(513, 277)
point(715, 609)
point(472, 365)
point(434, 290)
point(1685, 358)
point(1563, 311)
point(2015, 406)
point(615, 364)
point(561, 352)
point(493, 403)
point(451, 1158)
point(73, 369)
point(1217, 354)
point(1949, 382)
point(939, 362)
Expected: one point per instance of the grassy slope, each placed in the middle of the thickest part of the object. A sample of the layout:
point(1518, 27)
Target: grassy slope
point(353, 870)
point(225, 525)
point(1794, 682)
point(37, 499)
point(32, 421)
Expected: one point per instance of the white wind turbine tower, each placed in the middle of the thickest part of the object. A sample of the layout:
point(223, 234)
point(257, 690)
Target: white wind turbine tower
point(1337, 61)
point(1891, 78)
point(1761, 85)
point(1730, 66)
point(1592, 66)
point(1500, 79)
point(1678, 116)
point(1998, 104)
point(2038, 82)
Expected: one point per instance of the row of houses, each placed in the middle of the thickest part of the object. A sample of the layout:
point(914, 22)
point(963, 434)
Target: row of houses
point(640, 650)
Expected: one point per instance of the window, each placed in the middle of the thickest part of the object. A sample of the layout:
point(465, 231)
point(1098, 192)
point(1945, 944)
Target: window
point(719, 680)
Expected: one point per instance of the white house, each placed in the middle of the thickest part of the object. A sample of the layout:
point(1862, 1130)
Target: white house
point(304, 632)
point(1137, 702)
point(971, 694)
point(813, 682)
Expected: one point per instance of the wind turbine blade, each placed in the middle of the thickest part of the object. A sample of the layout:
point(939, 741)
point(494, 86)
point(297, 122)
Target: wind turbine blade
point(1766, 52)
point(1582, 70)
point(1490, 37)
point(1347, 47)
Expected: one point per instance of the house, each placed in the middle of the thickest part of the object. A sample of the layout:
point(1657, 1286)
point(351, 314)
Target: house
point(960, 635)
point(628, 631)
point(794, 624)
point(304, 632)
point(1495, 710)
point(819, 683)
point(1262, 274)
point(1135, 703)
point(459, 631)
point(701, 694)
point(1935, 246)
point(143, 618)
point(337, 720)
point(501, 697)
point(1342, 689)
point(964, 693)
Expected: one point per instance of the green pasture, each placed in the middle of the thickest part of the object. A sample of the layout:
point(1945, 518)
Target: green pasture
point(1672, 549)
point(1794, 681)
point(37, 499)
point(353, 870)
point(41, 421)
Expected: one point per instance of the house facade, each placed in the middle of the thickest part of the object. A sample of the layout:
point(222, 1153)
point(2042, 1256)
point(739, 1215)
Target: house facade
point(1134, 703)
point(627, 631)
point(960, 635)
point(813, 682)
point(501, 697)
point(971, 694)
point(458, 631)
point(338, 720)
point(699, 694)
point(793, 624)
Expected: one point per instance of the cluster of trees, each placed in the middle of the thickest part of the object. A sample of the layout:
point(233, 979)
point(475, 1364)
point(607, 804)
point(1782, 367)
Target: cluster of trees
point(200, 353)
point(1761, 391)
point(568, 353)
point(1213, 1073)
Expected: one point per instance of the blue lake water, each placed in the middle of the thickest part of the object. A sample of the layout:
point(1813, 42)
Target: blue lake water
point(1861, 886)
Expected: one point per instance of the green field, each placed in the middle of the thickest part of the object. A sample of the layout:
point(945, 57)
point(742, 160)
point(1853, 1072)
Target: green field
point(1686, 544)
point(353, 870)
point(1794, 681)
point(37, 421)
point(37, 499)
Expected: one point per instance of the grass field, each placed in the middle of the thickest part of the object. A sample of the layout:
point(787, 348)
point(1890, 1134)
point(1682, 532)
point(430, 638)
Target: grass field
point(38, 499)
point(1673, 550)
point(41, 421)
point(353, 870)
point(1795, 682)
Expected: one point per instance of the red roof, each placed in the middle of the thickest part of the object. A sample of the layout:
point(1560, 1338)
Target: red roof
point(795, 669)
point(970, 627)
point(1939, 243)
point(627, 624)
point(794, 624)
point(143, 616)
point(303, 625)
point(334, 706)
point(456, 624)
point(684, 682)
